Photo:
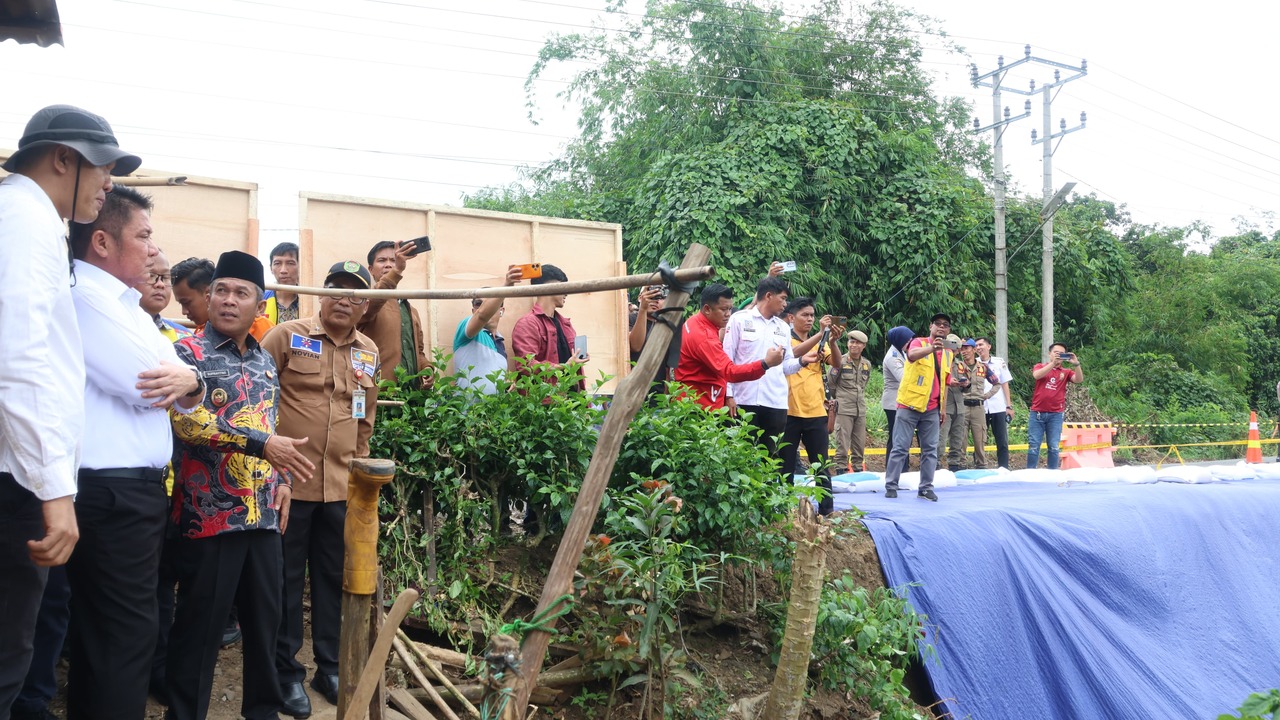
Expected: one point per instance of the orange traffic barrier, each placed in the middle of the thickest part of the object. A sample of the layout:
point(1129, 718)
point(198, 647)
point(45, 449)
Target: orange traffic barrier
point(1087, 445)
point(1253, 451)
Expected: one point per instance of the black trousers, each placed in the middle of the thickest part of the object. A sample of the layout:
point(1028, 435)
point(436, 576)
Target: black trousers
point(890, 416)
point(312, 546)
point(243, 567)
point(41, 684)
point(999, 424)
point(113, 574)
point(772, 423)
point(813, 433)
point(21, 585)
point(166, 602)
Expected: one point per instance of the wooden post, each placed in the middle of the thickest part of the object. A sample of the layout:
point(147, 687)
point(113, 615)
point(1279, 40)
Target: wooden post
point(359, 570)
point(786, 695)
point(626, 402)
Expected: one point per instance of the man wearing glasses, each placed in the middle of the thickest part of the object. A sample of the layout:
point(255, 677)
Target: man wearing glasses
point(922, 402)
point(328, 374)
point(157, 291)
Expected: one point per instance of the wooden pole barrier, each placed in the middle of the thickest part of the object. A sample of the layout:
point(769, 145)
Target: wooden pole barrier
point(376, 663)
point(684, 274)
point(626, 402)
point(359, 570)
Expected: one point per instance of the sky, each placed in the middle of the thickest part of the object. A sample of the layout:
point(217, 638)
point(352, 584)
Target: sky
point(424, 100)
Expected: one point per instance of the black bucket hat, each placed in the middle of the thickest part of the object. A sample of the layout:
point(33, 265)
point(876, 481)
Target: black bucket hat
point(82, 131)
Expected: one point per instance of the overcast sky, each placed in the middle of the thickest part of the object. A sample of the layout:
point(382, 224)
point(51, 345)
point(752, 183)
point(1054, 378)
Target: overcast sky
point(423, 99)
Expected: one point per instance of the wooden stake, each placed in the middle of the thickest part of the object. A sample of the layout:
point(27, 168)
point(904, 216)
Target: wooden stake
point(786, 696)
point(359, 570)
point(626, 402)
point(409, 705)
point(371, 676)
point(685, 274)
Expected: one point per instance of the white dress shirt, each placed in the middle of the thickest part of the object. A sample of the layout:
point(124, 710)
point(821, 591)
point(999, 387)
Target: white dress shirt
point(41, 360)
point(120, 341)
point(1000, 371)
point(748, 337)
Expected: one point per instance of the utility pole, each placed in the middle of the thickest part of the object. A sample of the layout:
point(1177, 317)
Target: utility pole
point(994, 80)
point(1046, 239)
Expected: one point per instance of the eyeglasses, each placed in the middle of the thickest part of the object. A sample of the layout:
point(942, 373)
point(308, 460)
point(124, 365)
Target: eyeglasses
point(352, 300)
point(154, 278)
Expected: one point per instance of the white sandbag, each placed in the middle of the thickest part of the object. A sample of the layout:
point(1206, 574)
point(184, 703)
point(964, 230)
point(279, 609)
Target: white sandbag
point(868, 486)
point(1136, 474)
point(856, 482)
point(1193, 474)
point(909, 481)
point(944, 478)
point(1080, 476)
point(976, 473)
point(1233, 473)
point(1038, 475)
point(1267, 471)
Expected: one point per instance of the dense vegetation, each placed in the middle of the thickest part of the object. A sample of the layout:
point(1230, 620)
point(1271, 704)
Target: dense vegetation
point(692, 501)
point(818, 138)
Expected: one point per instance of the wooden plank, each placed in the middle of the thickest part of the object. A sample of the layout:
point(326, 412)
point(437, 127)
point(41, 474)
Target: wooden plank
point(408, 704)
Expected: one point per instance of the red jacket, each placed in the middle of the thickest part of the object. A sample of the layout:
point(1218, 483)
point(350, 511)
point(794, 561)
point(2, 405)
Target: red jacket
point(706, 368)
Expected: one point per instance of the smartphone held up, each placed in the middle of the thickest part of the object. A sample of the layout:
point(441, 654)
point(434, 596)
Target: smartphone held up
point(420, 245)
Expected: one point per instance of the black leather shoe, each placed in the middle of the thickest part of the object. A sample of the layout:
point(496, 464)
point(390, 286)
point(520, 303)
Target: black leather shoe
point(891, 493)
point(927, 495)
point(296, 701)
point(326, 685)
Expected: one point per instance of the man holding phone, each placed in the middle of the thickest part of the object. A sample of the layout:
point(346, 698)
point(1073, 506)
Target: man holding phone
point(1049, 401)
point(545, 336)
point(394, 326)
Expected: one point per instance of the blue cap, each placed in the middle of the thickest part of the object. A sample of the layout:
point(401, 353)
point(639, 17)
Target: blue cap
point(969, 343)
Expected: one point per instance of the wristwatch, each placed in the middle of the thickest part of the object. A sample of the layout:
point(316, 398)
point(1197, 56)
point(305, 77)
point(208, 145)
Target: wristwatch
point(199, 384)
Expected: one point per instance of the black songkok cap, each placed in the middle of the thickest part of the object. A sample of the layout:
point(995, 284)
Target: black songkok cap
point(240, 265)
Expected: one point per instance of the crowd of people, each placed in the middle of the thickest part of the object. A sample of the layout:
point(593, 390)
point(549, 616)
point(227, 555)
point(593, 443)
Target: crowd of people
point(169, 488)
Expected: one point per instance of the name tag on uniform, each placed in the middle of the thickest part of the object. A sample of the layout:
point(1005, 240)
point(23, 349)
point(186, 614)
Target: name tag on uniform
point(303, 345)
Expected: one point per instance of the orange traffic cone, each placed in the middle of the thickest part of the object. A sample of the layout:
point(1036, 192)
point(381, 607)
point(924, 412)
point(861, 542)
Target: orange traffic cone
point(1253, 451)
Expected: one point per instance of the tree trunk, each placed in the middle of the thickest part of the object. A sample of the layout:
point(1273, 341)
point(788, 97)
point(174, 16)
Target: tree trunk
point(786, 696)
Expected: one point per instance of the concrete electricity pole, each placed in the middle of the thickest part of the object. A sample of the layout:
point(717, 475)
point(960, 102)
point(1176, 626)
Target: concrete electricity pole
point(994, 80)
point(1046, 261)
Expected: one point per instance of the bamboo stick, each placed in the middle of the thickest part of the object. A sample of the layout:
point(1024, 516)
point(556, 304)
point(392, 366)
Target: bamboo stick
point(416, 672)
point(429, 665)
point(684, 274)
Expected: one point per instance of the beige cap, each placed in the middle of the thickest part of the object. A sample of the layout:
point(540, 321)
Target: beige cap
point(859, 336)
point(953, 341)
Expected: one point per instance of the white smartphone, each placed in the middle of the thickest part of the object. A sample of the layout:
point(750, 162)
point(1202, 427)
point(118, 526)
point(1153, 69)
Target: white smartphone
point(788, 266)
point(580, 346)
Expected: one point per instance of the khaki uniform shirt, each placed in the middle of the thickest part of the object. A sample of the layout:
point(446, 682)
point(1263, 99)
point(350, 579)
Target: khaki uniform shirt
point(382, 324)
point(849, 390)
point(318, 376)
point(977, 374)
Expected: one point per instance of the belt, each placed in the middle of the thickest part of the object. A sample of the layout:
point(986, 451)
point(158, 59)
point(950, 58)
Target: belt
point(972, 403)
point(142, 473)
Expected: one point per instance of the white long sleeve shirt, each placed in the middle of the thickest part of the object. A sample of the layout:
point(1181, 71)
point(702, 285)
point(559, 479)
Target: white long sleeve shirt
point(120, 341)
point(1000, 371)
point(748, 337)
point(41, 357)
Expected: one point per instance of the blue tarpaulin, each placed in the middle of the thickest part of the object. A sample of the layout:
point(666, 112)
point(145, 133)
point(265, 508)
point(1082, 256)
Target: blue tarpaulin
point(1090, 601)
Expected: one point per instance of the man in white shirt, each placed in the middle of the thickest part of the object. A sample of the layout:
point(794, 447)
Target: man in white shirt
point(748, 337)
point(122, 506)
point(998, 403)
point(62, 170)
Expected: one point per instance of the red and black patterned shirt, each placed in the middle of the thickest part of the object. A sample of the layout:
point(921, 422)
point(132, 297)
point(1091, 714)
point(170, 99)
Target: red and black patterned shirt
point(223, 483)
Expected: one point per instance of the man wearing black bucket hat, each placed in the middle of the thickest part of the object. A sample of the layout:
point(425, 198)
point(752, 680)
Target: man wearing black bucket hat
point(61, 171)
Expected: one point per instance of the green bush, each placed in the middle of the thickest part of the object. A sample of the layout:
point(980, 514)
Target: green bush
point(864, 642)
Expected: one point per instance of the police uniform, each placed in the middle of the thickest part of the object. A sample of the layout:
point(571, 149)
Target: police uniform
point(849, 384)
point(328, 394)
